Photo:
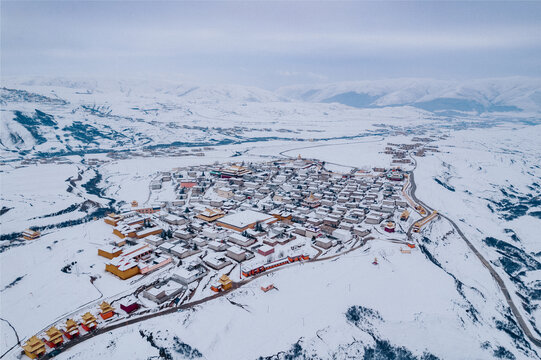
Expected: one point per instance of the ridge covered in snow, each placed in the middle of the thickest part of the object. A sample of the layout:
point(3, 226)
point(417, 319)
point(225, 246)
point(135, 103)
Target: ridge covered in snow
point(492, 95)
point(60, 116)
point(98, 145)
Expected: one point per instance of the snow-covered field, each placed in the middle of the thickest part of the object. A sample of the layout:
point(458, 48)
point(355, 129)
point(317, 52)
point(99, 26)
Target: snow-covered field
point(34, 191)
point(493, 190)
point(437, 301)
point(419, 307)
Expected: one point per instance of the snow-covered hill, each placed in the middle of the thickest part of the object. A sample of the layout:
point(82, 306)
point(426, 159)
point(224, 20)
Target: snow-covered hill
point(489, 95)
point(59, 116)
point(438, 301)
point(45, 117)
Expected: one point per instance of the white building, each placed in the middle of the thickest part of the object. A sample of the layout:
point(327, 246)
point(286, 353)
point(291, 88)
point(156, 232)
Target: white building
point(185, 276)
point(342, 234)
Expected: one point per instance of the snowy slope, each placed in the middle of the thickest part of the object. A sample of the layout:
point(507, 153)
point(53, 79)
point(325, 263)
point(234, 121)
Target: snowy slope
point(492, 95)
point(55, 116)
point(437, 302)
point(406, 301)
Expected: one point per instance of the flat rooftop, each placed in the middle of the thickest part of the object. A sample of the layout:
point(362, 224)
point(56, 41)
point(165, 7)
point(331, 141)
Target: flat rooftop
point(244, 218)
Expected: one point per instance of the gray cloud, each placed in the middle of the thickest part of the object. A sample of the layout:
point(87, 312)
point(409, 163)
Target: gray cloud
point(272, 43)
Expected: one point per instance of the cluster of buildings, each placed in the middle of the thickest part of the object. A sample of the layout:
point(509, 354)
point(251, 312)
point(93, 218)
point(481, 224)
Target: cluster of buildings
point(247, 214)
point(54, 337)
point(153, 152)
point(250, 217)
point(419, 147)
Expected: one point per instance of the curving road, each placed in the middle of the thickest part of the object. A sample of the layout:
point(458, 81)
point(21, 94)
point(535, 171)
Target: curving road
point(282, 153)
point(16, 336)
point(237, 285)
point(501, 284)
point(485, 262)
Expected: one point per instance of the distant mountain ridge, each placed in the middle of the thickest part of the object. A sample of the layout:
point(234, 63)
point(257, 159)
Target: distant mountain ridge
point(487, 95)
point(49, 116)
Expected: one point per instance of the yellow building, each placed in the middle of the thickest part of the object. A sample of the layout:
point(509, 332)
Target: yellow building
point(109, 251)
point(126, 266)
point(34, 348)
point(405, 215)
point(72, 329)
point(235, 171)
point(113, 219)
point(210, 215)
point(123, 272)
point(106, 310)
point(55, 336)
point(226, 282)
point(283, 216)
point(30, 234)
point(89, 322)
point(124, 232)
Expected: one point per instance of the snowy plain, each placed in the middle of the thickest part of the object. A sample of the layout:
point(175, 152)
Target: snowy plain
point(438, 300)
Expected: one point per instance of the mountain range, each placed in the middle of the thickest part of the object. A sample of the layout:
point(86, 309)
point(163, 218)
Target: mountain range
point(43, 116)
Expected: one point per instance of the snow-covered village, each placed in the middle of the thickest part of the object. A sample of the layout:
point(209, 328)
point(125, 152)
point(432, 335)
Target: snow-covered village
point(206, 230)
point(257, 180)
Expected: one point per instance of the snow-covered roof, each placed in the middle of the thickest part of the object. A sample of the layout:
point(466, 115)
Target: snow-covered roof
point(184, 273)
point(244, 218)
point(324, 240)
point(211, 212)
point(148, 231)
point(172, 217)
point(236, 250)
point(166, 246)
point(179, 248)
point(109, 248)
point(136, 249)
point(214, 260)
point(216, 244)
point(238, 237)
point(265, 248)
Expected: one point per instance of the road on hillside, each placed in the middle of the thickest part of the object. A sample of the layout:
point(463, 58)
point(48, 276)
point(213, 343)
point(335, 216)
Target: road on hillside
point(493, 273)
point(282, 153)
point(237, 285)
point(486, 263)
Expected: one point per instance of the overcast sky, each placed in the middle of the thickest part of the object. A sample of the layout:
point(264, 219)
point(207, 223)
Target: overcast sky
point(270, 44)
